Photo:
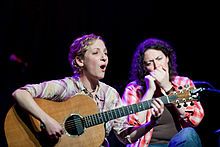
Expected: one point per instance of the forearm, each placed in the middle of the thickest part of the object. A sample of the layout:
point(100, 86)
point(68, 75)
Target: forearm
point(137, 132)
point(148, 95)
point(26, 101)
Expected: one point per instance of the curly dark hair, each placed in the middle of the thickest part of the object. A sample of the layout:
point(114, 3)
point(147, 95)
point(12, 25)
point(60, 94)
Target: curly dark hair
point(79, 48)
point(138, 72)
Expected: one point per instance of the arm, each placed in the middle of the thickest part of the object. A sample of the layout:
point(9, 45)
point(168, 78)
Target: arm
point(138, 131)
point(26, 101)
point(143, 121)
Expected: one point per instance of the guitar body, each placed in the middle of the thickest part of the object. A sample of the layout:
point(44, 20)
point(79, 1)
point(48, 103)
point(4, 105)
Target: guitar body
point(21, 129)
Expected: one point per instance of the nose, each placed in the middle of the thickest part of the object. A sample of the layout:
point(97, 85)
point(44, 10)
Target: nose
point(104, 57)
point(156, 64)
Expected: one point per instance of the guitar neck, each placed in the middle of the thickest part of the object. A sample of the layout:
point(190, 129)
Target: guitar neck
point(98, 118)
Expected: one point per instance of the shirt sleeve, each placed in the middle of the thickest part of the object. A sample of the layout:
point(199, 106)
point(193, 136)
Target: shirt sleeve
point(193, 113)
point(52, 90)
point(131, 96)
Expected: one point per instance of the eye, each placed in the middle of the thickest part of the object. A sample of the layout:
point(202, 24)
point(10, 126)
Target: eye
point(147, 63)
point(94, 53)
point(159, 58)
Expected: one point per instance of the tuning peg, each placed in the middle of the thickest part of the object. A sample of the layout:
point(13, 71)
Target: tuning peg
point(178, 104)
point(196, 97)
point(191, 103)
point(185, 104)
point(186, 86)
point(180, 87)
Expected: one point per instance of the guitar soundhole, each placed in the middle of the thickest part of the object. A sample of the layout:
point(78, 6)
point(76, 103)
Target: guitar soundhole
point(74, 125)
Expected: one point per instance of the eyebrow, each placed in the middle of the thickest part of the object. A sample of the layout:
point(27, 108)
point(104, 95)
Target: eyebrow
point(105, 49)
point(154, 58)
point(150, 60)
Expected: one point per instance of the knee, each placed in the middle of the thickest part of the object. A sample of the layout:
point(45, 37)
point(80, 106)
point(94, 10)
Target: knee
point(189, 133)
point(191, 137)
point(186, 137)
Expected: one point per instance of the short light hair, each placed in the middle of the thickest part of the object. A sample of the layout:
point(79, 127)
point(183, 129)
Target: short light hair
point(78, 49)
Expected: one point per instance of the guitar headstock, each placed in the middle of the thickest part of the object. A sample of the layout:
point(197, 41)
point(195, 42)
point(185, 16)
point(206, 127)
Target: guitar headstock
point(188, 94)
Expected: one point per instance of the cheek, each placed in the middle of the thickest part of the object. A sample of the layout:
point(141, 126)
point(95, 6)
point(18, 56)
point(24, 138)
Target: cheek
point(107, 61)
point(90, 62)
point(93, 64)
point(166, 63)
point(149, 68)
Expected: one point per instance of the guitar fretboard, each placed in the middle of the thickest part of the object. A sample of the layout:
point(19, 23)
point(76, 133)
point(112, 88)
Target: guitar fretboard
point(95, 119)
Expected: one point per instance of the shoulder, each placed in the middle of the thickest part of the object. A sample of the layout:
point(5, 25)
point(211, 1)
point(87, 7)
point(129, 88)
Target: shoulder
point(182, 81)
point(181, 78)
point(133, 88)
point(105, 87)
point(69, 80)
point(133, 85)
point(61, 81)
point(54, 81)
point(110, 94)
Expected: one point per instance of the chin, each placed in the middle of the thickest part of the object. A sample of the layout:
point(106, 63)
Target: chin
point(101, 76)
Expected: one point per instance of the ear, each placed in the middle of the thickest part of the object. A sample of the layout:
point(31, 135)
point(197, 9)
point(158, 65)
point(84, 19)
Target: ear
point(79, 61)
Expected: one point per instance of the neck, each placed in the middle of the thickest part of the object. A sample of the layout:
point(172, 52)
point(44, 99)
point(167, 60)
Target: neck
point(89, 84)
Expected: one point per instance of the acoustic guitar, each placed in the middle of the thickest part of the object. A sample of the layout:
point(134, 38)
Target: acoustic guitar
point(79, 117)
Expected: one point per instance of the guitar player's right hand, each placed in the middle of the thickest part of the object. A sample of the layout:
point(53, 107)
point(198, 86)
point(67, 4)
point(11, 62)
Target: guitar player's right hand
point(53, 128)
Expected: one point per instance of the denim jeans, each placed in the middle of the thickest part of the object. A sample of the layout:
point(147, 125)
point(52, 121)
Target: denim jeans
point(187, 137)
point(158, 145)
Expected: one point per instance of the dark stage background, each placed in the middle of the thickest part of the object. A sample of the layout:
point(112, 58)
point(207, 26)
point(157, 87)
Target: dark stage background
point(35, 36)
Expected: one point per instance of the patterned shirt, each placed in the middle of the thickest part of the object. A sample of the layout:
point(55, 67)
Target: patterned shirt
point(132, 94)
point(106, 98)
